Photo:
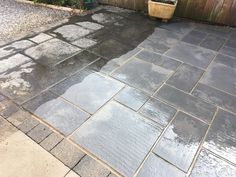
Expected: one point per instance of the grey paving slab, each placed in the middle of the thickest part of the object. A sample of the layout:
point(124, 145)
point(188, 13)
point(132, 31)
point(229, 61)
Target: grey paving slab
point(19, 117)
point(221, 74)
point(89, 167)
point(7, 108)
point(41, 37)
point(61, 115)
point(194, 37)
point(181, 141)
point(154, 46)
point(84, 43)
point(228, 51)
point(191, 54)
point(110, 49)
point(71, 32)
point(88, 90)
point(51, 141)
point(148, 77)
point(12, 62)
point(68, 153)
point(213, 42)
point(231, 43)
point(107, 129)
point(209, 165)
point(155, 166)
point(185, 78)
point(24, 82)
point(15, 47)
point(39, 133)
point(90, 25)
point(192, 105)
point(51, 52)
point(28, 124)
point(131, 97)
point(158, 59)
point(76, 63)
point(158, 112)
point(221, 137)
point(215, 96)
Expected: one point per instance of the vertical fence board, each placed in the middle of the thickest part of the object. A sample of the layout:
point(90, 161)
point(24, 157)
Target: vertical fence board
point(218, 11)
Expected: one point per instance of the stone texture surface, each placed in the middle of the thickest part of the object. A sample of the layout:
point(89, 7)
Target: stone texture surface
point(39, 133)
point(221, 137)
point(89, 167)
point(183, 137)
point(155, 166)
point(107, 130)
point(209, 165)
point(51, 141)
point(66, 152)
point(41, 38)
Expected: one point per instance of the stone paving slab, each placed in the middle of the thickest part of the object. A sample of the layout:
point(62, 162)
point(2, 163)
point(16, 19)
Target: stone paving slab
point(121, 93)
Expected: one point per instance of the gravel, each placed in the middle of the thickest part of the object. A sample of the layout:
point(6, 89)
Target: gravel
point(18, 18)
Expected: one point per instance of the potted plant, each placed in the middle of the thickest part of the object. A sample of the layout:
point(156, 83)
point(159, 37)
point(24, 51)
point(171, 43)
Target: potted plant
point(163, 9)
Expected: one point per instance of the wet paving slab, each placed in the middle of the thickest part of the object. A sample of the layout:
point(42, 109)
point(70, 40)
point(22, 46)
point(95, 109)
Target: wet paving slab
point(135, 93)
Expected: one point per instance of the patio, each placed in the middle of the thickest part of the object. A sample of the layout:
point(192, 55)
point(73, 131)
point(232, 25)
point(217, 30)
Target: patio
point(115, 93)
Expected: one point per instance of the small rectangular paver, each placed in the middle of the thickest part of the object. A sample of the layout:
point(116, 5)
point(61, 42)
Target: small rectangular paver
point(191, 54)
point(132, 98)
point(212, 166)
point(107, 129)
point(221, 138)
point(181, 141)
point(51, 52)
point(88, 90)
point(39, 133)
point(215, 96)
point(157, 167)
point(19, 117)
point(90, 25)
point(147, 77)
point(89, 167)
point(188, 103)
point(158, 111)
point(55, 111)
point(66, 152)
point(51, 141)
point(185, 77)
point(8, 108)
point(28, 124)
point(41, 37)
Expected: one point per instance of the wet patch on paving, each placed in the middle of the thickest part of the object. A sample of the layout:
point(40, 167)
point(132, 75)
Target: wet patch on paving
point(138, 97)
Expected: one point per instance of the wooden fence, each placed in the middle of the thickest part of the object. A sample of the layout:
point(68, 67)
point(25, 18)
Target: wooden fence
point(217, 11)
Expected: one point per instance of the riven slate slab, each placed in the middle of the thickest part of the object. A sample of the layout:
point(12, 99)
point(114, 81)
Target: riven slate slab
point(212, 166)
point(154, 46)
point(41, 37)
point(132, 97)
point(52, 52)
point(213, 42)
point(88, 90)
point(27, 80)
point(181, 141)
point(228, 51)
point(194, 37)
point(185, 77)
point(156, 167)
point(231, 43)
point(191, 54)
point(215, 96)
point(15, 47)
point(147, 77)
point(190, 104)
point(59, 114)
point(158, 59)
point(107, 129)
point(158, 111)
point(221, 74)
point(221, 138)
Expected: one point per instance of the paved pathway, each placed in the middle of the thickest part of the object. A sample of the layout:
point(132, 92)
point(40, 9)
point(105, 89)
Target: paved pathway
point(116, 94)
point(17, 19)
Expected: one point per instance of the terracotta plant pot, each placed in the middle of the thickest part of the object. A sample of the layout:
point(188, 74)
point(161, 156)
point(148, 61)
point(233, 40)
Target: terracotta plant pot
point(161, 10)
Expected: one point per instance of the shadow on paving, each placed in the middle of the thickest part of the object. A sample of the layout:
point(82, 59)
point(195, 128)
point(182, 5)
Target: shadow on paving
point(145, 98)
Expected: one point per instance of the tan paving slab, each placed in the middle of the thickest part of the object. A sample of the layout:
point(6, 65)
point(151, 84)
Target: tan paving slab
point(22, 157)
